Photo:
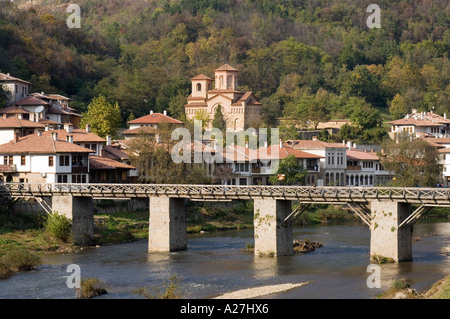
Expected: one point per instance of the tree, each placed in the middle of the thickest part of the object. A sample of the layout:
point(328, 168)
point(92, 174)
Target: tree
point(218, 121)
point(103, 117)
point(398, 107)
point(413, 163)
point(155, 164)
point(4, 96)
point(290, 170)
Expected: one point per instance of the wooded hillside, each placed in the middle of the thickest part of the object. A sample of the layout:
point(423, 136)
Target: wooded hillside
point(300, 57)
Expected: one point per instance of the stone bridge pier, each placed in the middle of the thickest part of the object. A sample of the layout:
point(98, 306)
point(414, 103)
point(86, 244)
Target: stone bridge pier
point(81, 211)
point(388, 220)
point(387, 238)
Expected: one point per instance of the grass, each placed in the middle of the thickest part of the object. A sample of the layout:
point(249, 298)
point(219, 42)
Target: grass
point(171, 290)
point(90, 287)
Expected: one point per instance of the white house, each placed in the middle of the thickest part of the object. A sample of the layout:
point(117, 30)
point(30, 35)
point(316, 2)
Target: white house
point(12, 125)
point(149, 124)
point(17, 88)
point(333, 159)
point(421, 125)
point(82, 137)
point(364, 169)
point(255, 166)
point(44, 159)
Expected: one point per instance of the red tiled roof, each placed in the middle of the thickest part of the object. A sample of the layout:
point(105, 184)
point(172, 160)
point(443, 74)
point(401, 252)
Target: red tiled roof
point(100, 162)
point(155, 118)
point(13, 110)
point(7, 77)
point(15, 122)
point(415, 122)
point(35, 144)
point(355, 154)
point(202, 77)
point(115, 152)
point(140, 130)
point(79, 136)
point(31, 101)
point(226, 67)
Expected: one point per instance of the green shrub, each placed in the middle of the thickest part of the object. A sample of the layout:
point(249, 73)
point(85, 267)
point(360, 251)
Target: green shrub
point(90, 287)
point(58, 226)
point(19, 260)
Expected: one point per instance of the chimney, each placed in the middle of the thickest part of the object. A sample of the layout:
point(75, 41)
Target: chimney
point(7, 74)
point(165, 112)
point(39, 133)
point(151, 111)
point(314, 138)
point(108, 140)
point(445, 116)
point(69, 138)
point(68, 127)
point(55, 136)
point(349, 144)
point(16, 136)
point(47, 127)
point(265, 144)
point(281, 144)
point(88, 128)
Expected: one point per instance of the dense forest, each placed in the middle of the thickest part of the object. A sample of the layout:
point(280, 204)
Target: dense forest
point(304, 59)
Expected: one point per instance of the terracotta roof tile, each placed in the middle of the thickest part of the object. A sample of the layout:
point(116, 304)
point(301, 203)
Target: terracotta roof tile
point(140, 130)
point(13, 109)
point(79, 135)
point(7, 77)
point(35, 144)
point(226, 67)
point(115, 153)
point(202, 77)
point(100, 162)
point(155, 118)
point(355, 154)
point(14, 122)
point(32, 101)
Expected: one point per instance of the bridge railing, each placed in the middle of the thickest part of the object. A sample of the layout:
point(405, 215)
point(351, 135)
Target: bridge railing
point(315, 194)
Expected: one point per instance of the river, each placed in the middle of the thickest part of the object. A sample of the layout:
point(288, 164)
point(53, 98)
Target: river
point(214, 263)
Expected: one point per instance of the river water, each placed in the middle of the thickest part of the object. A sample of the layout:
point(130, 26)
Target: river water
point(214, 263)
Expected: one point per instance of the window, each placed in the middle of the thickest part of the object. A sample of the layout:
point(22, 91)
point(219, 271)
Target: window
point(62, 178)
point(199, 87)
point(64, 160)
point(11, 160)
point(79, 179)
point(22, 160)
point(50, 161)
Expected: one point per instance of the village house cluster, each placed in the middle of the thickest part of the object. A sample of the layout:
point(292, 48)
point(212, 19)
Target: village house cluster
point(41, 141)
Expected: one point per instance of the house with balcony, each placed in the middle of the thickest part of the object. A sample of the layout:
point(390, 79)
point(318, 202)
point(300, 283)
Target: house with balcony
point(421, 125)
point(255, 166)
point(333, 159)
point(41, 158)
point(364, 169)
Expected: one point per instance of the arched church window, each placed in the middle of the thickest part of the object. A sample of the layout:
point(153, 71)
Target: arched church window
point(199, 87)
point(229, 82)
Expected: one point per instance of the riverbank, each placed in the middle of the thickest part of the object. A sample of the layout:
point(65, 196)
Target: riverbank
point(401, 289)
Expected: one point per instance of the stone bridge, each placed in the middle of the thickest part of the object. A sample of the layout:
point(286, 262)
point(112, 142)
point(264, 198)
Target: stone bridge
point(387, 211)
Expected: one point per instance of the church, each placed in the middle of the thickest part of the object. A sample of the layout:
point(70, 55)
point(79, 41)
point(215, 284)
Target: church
point(240, 110)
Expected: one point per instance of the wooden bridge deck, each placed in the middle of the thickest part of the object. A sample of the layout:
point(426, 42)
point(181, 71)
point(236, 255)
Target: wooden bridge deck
point(305, 194)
